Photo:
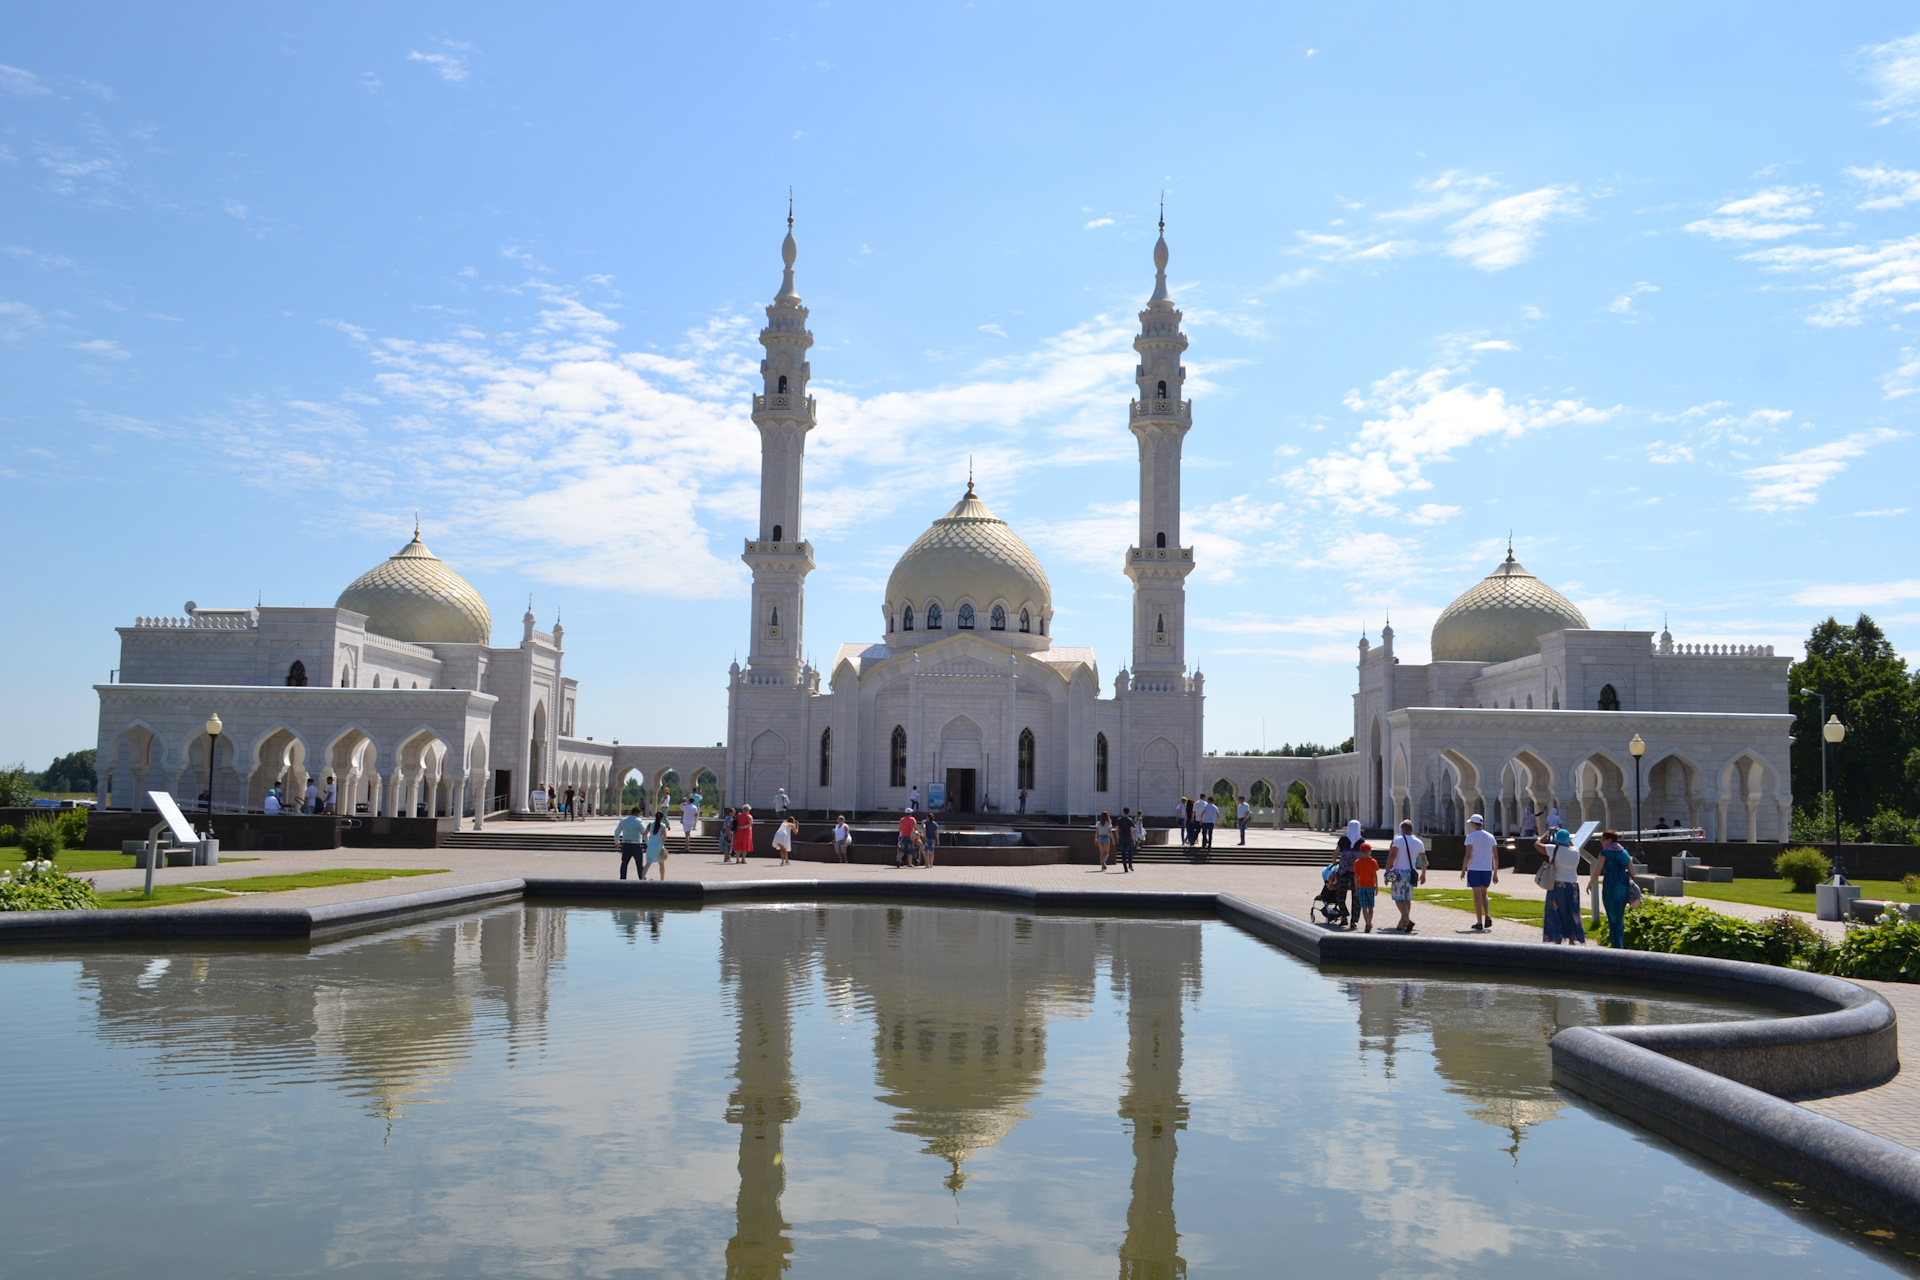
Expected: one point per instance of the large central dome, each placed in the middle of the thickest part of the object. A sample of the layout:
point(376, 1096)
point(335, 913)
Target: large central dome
point(413, 596)
point(1502, 617)
point(969, 560)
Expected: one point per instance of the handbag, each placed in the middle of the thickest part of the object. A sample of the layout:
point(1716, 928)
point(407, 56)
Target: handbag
point(1544, 876)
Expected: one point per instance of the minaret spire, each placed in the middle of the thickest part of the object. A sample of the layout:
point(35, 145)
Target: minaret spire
point(1161, 419)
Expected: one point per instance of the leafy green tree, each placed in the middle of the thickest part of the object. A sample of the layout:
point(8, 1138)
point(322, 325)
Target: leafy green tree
point(71, 772)
point(1868, 686)
point(16, 787)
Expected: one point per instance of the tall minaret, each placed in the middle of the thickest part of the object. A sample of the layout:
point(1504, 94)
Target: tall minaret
point(779, 557)
point(1159, 565)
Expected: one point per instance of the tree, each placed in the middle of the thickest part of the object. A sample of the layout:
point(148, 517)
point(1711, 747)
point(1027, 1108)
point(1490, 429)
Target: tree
point(71, 772)
point(1868, 686)
point(16, 787)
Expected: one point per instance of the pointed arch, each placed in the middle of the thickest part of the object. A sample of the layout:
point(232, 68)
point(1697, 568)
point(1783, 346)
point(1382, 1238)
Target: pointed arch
point(897, 758)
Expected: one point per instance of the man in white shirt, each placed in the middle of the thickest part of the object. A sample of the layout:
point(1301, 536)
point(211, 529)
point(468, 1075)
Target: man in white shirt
point(913, 799)
point(272, 806)
point(689, 819)
point(331, 802)
point(1209, 815)
point(1480, 868)
point(1240, 817)
point(310, 799)
point(841, 838)
point(1406, 866)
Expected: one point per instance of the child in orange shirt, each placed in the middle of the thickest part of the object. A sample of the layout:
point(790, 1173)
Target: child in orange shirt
point(1366, 881)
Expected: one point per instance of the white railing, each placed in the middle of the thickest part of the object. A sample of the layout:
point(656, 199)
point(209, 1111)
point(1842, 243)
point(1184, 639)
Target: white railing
point(1717, 651)
point(780, 402)
point(1161, 408)
point(1160, 553)
point(204, 620)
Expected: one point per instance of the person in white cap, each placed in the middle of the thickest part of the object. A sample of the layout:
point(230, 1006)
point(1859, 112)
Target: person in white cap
point(1480, 868)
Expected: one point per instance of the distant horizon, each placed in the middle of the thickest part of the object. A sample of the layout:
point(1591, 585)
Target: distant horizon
point(1638, 287)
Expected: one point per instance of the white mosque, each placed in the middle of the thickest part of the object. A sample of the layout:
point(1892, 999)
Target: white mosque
point(965, 697)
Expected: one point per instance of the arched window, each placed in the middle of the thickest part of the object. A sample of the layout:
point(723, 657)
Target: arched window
point(346, 677)
point(966, 617)
point(1043, 624)
point(1609, 698)
point(1529, 702)
point(297, 674)
point(1554, 702)
point(997, 620)
point(1163, 388)
point(906, 617)
point(1100, 762)
point(889, 622)
point(783, 384)
point(376, 682)
point(1159, 539)
point(1026, 622)
point(773, 620)
point(826, 757)
point(933, 616)
point(1026, 759)
point(897, 766)
point(776, 533)
point(1162, 627)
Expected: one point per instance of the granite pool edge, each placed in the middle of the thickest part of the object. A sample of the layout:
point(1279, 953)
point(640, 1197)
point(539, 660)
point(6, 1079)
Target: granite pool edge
point(1715, 1083)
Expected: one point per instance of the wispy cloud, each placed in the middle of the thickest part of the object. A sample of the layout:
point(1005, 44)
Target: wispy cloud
point(105, 348)
point(1503, 234)
point(1771, 214)
point(17, 319)
point(1623, 305)
point(450, 64)
point(1491, 234)
point(1097, 222)
point(1866, 277)
point(1858, 595)
point(1894, 69)
point(1904, 379)
point(1795, 481)
point(22, 84)
point(1902, 186)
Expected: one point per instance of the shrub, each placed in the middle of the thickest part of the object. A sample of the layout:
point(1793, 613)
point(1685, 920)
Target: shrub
point(73, 828)
point(1887, 950)
point(1690, 929)
point(39, 887)
point(1805, 867)
point(1890, 826)
point(41, 839)
point(8, 836)
point(16, 787)
point(1816, 827)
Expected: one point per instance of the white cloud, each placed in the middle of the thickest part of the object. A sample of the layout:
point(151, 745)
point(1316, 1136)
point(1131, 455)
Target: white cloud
point(451, 67)
point(1494, 344)
point(50, 261)
point(1503, 234)
point(1865, 276)
point(1902, 186)
point(1424, 418)
point(16, 318)
point(1904, 379)
point(1098, 222)
point(1771, 214)
point(106, 348)
point(1884, 511)
point(1451, 192)
point(234, 209)
point(1623, 305)
point(1796, 480)
point(1859, 595)
point(1894, 68)
point(23, 84)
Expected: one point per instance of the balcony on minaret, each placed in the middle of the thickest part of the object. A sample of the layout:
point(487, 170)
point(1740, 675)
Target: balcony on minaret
point(781, 401)
point(1160, 555)
point(1162, 408)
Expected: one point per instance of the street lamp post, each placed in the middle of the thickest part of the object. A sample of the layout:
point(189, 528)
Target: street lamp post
point(1831, 731)
point(213, 751)
point(1638, 748)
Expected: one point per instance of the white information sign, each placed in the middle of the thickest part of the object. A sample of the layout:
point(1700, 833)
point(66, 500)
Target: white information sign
point(182, 829)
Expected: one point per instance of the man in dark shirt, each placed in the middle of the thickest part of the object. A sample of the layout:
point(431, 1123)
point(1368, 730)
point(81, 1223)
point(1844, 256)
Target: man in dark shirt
point(1123, 839)
point(930, 833)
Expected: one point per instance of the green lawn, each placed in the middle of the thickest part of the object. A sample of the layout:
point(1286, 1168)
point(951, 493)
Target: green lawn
point(218, 890)
point(1779, 893)
point(1525, 910)
point(84, 860)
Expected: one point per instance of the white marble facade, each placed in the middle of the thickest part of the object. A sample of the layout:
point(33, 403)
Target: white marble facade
point(965, 688)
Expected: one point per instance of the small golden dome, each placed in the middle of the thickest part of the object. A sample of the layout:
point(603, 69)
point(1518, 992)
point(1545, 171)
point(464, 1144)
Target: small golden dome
point(413, 596)
point(1502, 617)
point(974, 557)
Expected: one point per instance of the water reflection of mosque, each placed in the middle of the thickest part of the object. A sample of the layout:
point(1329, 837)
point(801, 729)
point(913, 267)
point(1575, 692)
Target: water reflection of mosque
point(389, 1015)
point(959, 1002)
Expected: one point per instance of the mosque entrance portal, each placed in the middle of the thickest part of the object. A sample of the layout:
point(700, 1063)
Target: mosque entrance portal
point(960, 790)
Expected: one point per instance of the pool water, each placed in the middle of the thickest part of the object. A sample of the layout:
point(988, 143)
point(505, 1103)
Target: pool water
point(840, 1090)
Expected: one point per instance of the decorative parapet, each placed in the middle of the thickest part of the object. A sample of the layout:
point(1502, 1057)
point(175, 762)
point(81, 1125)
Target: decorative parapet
point(1715, 651)
point(1162, 408)
point(780, 548)
point(1157, 684)
point(1141, 555)
point(764, 402)
point(203, 620)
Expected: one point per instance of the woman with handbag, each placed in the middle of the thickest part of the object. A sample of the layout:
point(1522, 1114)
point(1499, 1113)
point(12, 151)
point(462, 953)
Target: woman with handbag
point(1406, 867)
point(1560, 876)
point(1614, 875)
point(1103, 838)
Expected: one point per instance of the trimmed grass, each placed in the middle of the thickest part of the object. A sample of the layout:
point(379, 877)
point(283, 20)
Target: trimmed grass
point(80, 861)
point(217, 890)
point(1779, 894)
point(1525, 910)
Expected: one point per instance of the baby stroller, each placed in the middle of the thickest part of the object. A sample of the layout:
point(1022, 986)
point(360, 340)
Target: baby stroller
point(1330, 908)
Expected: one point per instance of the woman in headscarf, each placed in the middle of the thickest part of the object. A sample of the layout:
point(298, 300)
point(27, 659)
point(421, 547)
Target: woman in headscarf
point(1562, 920)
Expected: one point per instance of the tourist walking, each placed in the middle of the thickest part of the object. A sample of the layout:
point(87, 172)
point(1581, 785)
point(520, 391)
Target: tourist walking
point(1123, 839)
point(842, 838)
point(742, 833)
point(1614, 876)
point(657, 845)
point(689, 819)
point(783, 839)
point(780, 802)
point(332, 802)
point(271, 806)
point(1480, 868)
point(310, 799)
point(1240, 816)
point(1528, 827)
point(1103, 838)
point(631, 836)
point(903, 852)
point(1561, 923)
point(568, 802)
point(929, 839)
point(1209, 819)
point(1346, 855)
point(1186, 822)
point(1406, 868)
point(1366, 884)
point(725, 840)
point(913, 798)
point(1023, 800)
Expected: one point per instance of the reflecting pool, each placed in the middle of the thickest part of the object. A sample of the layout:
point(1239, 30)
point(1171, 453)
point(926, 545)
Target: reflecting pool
point(839, 1090)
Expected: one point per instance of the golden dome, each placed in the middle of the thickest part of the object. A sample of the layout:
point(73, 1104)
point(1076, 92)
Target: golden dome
point(413, 596)
point(1502, 617)
point(970, 556)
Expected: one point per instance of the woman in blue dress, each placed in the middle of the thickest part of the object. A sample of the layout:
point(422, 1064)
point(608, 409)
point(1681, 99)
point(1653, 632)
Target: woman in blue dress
point(1561, 922)
point(1614, 875)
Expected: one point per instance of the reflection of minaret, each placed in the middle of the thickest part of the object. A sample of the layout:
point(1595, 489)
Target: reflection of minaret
point(762, 953)
point(1156, 964)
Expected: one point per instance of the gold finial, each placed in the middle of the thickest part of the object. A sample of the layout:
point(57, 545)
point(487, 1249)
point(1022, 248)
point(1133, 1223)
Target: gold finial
point(416, 524)
point(969, 475)
point(789, 207)
point(1163, 210)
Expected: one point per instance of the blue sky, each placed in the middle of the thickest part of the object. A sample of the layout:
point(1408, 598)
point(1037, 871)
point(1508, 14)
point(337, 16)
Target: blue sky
point(1640, 284)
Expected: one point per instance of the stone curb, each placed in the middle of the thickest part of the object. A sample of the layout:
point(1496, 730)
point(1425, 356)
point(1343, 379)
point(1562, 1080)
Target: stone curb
point(1718, 1084)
